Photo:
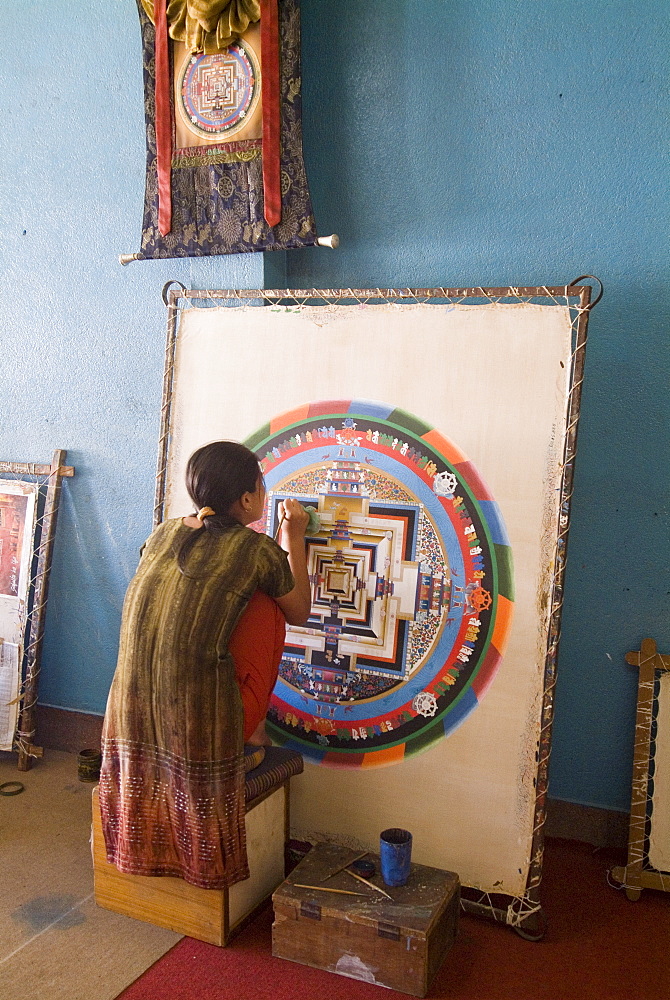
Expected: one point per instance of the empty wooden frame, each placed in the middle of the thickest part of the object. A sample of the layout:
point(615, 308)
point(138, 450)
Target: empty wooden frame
point(648, 864)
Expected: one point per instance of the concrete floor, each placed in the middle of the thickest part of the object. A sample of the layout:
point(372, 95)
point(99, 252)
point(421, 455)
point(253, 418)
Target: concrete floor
point(55, 943)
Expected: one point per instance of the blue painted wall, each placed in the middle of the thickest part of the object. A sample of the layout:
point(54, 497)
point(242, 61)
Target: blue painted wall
point(447, 143)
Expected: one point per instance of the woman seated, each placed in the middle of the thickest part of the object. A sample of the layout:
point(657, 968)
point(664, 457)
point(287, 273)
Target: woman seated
point(202, 635)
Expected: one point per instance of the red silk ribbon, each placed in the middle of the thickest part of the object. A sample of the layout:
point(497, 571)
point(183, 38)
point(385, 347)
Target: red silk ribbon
point(163, 119)
point(271, 112)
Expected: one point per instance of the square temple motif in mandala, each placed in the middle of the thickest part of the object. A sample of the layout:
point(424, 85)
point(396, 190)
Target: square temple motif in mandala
point(367, 579)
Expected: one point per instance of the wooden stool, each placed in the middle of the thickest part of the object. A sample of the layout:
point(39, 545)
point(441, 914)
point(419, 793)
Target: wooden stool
point(212, 915)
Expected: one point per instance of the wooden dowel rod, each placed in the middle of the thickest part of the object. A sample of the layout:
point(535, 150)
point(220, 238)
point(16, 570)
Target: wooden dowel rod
point(325, 888)
point(33, 469)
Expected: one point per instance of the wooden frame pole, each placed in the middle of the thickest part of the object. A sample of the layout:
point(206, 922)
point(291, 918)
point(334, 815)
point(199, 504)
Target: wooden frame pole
point(35, 636)
point(635, 876)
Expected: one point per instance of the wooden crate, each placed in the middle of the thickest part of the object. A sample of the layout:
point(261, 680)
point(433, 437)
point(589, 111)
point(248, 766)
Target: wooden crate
point(399, 942)
point(212, 915)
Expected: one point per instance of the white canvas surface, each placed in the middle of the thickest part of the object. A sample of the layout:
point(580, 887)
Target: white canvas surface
point(493, 379)
point(659, 837)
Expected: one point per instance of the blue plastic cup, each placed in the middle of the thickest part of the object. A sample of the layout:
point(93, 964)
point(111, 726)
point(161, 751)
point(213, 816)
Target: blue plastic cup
point(395, 855)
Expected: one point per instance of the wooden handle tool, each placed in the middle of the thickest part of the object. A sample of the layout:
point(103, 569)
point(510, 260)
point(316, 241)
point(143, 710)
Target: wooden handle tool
point(371, 884)
point(278, 528)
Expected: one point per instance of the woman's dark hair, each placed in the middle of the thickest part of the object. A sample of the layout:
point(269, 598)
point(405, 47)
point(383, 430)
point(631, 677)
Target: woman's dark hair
point(217, 475)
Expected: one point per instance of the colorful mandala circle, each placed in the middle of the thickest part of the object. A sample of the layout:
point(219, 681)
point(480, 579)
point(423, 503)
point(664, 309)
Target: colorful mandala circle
point(411, 576)
point(219, 91)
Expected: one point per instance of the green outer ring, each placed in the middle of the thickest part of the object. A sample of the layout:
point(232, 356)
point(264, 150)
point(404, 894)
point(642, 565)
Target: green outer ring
point(255, 443)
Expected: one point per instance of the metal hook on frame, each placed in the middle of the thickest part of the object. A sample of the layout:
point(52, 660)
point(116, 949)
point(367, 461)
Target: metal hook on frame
point(583, 277)
point(166, 288)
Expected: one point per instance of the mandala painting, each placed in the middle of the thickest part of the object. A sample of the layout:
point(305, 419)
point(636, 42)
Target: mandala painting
point(411, 578)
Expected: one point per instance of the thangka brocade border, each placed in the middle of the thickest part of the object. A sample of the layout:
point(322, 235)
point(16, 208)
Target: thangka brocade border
point(217, 200)
point(224, 152)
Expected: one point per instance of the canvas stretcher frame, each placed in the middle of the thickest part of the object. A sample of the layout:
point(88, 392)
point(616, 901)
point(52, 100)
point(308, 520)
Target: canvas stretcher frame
point(648, 841)
point(46, 482)
point(522, 910)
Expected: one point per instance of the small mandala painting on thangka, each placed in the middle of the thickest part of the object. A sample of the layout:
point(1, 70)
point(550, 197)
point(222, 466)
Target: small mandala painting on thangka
point(411, 581)
point(225, 171)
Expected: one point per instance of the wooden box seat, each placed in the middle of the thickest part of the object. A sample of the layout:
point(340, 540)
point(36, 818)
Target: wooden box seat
point(212, 915)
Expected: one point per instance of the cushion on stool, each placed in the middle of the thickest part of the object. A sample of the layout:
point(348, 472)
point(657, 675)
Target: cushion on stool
point(279, 765)
point(253, 756)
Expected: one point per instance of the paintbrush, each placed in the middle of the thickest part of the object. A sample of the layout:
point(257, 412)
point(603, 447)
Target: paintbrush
point(278, 528)
point(342, 867)
point(371, 884)
point(323, 888)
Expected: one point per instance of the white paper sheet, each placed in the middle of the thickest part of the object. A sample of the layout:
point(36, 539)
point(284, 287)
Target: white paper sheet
point(9, 689)
point(659, 837)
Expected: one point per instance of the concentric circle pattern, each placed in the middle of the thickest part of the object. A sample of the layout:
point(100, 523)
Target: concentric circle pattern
point(219, 91)
point(411, 579)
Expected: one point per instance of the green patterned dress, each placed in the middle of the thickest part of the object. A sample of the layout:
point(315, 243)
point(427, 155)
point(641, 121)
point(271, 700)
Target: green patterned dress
point(172, 779)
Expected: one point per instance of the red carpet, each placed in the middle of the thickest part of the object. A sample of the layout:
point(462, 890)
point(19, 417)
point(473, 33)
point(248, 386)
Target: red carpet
point(599, 946)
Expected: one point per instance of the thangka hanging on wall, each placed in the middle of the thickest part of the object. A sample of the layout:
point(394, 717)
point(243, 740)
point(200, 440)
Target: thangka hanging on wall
point(411, 583)
point(225, 171)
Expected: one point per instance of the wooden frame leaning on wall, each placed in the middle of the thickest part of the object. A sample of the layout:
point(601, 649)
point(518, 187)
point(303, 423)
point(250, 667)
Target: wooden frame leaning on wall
point(649, 816)
point(27, 612)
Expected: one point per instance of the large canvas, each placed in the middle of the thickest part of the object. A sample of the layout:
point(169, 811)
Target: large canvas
point(430, 437)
